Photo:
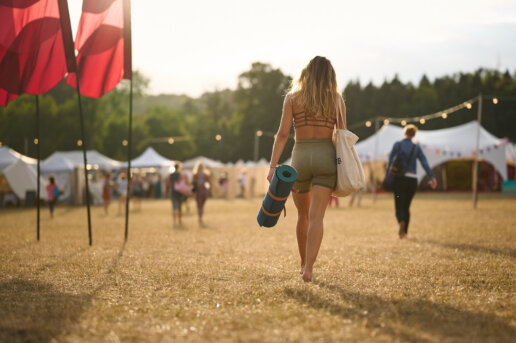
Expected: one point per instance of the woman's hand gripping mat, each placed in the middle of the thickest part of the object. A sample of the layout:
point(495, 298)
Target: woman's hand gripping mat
point(274, 201)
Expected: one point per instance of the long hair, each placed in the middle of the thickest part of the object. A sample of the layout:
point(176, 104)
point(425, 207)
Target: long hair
point(317, 90)
point(199, 168)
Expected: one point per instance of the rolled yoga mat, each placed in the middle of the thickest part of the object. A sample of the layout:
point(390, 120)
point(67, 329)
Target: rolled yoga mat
point(274, 201)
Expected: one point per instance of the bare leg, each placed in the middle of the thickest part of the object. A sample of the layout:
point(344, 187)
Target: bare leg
point(302, 202)
point(318, 204)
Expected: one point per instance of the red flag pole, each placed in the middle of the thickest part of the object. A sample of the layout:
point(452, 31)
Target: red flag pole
point(128, 74)
point(38, 171)
point(71, 61)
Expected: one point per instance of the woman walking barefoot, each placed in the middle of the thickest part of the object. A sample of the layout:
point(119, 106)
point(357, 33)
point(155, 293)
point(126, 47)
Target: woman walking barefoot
point(313, 104)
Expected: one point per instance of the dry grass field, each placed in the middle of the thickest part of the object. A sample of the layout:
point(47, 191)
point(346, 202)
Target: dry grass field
point(453, 280)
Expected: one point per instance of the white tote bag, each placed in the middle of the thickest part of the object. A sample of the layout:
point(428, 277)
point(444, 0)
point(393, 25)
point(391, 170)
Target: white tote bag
point(350, 174)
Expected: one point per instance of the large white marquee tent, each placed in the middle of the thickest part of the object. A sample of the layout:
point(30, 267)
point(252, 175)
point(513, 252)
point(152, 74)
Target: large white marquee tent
point(150, 159)
point(439, 146)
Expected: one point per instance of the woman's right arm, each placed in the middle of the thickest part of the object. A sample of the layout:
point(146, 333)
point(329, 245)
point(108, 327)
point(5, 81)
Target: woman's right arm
point(282, 135)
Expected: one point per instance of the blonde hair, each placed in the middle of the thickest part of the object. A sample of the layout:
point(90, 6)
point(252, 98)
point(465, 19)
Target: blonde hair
point(410, 130)
point(317, 90)
point(199, 168)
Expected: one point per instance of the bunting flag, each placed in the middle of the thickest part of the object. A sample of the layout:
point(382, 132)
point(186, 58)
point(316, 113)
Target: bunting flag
point(36, 46)
point(104, 44)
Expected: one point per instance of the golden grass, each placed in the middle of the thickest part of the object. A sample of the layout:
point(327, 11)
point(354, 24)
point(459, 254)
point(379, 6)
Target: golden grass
point(452, 281)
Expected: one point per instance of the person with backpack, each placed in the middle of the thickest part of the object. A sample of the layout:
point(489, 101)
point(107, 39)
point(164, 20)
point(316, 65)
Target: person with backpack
point(403, 157)
point(52, 194)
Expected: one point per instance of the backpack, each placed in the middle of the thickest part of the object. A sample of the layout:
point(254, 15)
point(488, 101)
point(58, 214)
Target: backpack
point(396, 169)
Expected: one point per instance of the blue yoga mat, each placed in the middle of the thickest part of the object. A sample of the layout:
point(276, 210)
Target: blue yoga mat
point(274, 201)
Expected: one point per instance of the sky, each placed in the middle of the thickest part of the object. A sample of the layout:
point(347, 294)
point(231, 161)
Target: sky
point(191, 47)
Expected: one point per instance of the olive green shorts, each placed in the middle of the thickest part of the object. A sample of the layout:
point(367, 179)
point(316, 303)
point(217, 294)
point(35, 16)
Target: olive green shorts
point(314, 160)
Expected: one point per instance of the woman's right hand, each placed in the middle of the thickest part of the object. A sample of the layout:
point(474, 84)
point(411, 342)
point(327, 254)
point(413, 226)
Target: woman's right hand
point(433, 183)
point(271, 173)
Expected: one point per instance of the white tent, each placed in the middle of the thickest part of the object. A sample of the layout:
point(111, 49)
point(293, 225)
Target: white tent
point(57, 164)
point(9, 156)
point(62, 160)
point(150, 159)
point(22, 178)
point(439, 146)
point(207, 162)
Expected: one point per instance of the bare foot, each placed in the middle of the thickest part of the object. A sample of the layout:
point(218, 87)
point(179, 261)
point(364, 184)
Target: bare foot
point(302, 269)
point(307, 276)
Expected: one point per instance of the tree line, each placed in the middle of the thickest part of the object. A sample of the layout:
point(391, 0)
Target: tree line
point(222, 124)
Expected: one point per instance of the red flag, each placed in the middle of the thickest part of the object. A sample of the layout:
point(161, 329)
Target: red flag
point(32, 52)
point(104, 43)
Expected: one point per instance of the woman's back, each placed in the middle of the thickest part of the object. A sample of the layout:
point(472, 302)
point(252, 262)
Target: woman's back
point(308, 126)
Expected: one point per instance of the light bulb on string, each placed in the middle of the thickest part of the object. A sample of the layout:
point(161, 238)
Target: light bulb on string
point(368, 123)
point(444, 115)
point(422, 121)
point(495, 101)
point(468, 105)
point(386, 122)
point(403, 122)
point(171, 140)
point(79, 142)
point(218, 137)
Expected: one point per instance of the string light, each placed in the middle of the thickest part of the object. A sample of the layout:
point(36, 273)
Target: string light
point(218, 138)
point(171, 140)
point(36, 141)
point(125, 142)
point(441, 114)
point(79, 142)
point(259, 133)
point(495, 101)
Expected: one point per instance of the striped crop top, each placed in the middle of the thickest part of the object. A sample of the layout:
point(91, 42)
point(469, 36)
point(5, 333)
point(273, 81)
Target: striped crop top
point(302, 119)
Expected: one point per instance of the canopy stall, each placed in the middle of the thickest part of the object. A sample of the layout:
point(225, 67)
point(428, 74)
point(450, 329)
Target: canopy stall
point(9, 156)
point(95, 159)
point(150, 159)
point(207, 162)
point(22, 177)
point(67, 168)
point(439, 146)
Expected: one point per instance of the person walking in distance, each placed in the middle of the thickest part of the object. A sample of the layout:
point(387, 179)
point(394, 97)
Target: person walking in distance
point(201, 184)
point(242, 179)
point(52, 194)
point(175, 195)
point(315, 107)
point(405, 186)
point(107, 189)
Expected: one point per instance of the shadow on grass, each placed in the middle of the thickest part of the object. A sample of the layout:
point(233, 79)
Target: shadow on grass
point(408, 319)
point(32, 311)
point(471, 247)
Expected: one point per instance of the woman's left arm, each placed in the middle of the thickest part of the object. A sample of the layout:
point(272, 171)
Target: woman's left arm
point(422, 158)
point(281, 136)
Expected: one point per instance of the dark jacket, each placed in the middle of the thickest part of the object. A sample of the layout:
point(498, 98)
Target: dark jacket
point(405, 146)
